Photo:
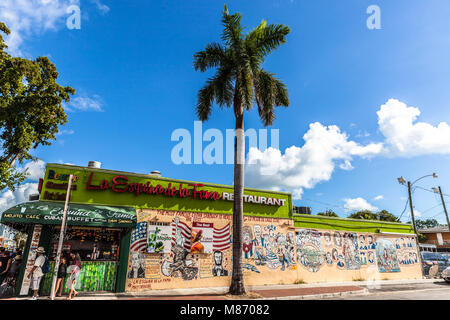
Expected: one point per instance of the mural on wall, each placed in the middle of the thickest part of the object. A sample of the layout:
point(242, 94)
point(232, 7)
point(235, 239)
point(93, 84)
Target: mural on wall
point(202, 237)
point(350, 251)
point(139, 237)
point(309, 249)
point(218, 269)
point(159, 238)
point(337, 239)
point(387, 260)
point(137, 269)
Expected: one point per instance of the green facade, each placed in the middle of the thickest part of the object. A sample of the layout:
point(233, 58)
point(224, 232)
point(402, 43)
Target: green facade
point(332, 223)
point(152, 201)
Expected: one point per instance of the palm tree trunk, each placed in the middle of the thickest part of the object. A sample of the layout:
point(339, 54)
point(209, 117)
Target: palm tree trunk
point(237, 280)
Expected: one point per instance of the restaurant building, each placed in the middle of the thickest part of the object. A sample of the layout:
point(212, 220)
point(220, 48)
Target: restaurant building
point(140, 232)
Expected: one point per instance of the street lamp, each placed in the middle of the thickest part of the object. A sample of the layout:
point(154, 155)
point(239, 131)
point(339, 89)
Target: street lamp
point(402, 181)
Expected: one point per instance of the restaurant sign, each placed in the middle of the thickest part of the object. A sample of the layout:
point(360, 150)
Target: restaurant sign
point(43, 212)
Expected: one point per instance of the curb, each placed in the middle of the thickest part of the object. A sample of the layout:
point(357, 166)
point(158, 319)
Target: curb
point(320, 296)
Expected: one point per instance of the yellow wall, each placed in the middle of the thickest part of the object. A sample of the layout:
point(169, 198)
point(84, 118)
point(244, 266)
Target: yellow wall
point(305, 253)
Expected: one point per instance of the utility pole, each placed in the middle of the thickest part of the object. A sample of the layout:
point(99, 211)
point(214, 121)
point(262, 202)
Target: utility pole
point(61, 239)
point(445, 208)
point(412, 208)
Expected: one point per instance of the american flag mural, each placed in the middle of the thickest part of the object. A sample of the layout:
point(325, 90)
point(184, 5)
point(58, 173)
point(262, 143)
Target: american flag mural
point(182, 232)
point(221, 238)
point(139, 237)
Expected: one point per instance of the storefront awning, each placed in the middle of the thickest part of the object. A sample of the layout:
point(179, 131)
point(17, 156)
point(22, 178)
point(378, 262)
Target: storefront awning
point(46, 212)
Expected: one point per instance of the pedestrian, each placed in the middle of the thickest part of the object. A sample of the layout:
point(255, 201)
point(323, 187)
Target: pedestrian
point(74, 273)
point(36, 272)
point(5, 263)
point(62, 272)
point(15, 266)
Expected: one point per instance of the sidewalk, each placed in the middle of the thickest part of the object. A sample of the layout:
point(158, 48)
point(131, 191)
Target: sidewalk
point(272, 292)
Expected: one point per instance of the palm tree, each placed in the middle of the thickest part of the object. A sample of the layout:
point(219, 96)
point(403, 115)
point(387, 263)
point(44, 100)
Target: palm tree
point(240, 81)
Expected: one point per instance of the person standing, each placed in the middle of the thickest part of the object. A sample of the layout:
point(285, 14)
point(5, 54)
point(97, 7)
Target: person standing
point(5, 263)
point(74, 273)
point(62, 272)
point(36, 272)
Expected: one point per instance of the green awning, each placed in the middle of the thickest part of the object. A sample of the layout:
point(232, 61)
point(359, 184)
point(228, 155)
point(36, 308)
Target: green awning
point(46, 212)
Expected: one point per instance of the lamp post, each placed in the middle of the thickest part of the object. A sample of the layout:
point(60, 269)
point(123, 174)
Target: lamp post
point(402, 181)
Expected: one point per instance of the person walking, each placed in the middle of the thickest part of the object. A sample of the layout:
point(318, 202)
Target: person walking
point(74, 273)
point(36, 272)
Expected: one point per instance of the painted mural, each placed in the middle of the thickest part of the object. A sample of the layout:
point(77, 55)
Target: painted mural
point(387, 260)
point(176, 249)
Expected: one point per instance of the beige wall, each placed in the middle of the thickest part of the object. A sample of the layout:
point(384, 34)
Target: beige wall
point(305, 255)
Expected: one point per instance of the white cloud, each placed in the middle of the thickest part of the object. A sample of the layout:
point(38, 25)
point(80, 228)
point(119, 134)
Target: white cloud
point(100, 6)
point(380, 197)
point(9, 198)
point(28, 18)
point(31, 17)
point(85, 103)
point(357, 204)
point(417, 213)
point(326, 147)
point(65, 132)
point(35, 170)
point(406, 137)
point(304, 167)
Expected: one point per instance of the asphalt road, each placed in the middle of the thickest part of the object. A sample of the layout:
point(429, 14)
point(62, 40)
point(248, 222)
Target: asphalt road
point(438, 290)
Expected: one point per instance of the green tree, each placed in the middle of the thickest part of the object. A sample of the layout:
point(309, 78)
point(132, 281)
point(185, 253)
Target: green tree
point(385, 215)
point(363, 214)
point(426, 224)
point(239, 82)
point(328, 213)
point(30, 109)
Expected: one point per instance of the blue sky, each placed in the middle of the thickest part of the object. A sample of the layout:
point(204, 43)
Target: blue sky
point(131, 64)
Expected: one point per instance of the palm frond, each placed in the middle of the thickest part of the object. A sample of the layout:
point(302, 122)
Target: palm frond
point(204, 101)
point(269, 38)
point(213, 56)
point(232, 32)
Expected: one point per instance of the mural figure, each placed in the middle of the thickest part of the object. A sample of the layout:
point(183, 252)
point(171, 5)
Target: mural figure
point(402, 241)
point(337, 239)
point(179, 266)
point(415, 257)
point(247, 245)
point(283, 251)
point(386, 256)
point(218, 270)
point(258, 241)
point(335, 254)
point(309, 249)
point(137, 265)
point(371, 257)
point(362, 242)
point(327, 238)
point(260, 257)
point(362, 258)
point(350, 251)
point(340, 263)
point(329, 259)
point(371, 244)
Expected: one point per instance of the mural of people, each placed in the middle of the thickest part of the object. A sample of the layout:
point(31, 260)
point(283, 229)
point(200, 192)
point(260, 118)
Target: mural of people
point(137, 265)
point(260, 257)
point(218, 270)
point(397, 244)
point(350, 251)
point(180, 265)
point(387, 259)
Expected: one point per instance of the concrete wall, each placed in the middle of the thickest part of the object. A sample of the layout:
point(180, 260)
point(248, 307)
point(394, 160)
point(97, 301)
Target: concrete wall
point(275, 252)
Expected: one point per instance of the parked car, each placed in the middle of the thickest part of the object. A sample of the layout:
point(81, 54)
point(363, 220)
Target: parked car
point(446, 274)
point(433, 258)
